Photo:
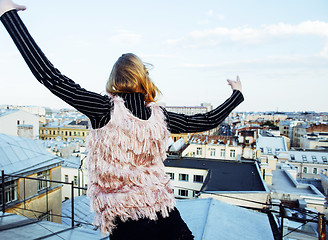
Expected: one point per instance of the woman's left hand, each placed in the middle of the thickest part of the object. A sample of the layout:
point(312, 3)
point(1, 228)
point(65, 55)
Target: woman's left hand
point(7, 5)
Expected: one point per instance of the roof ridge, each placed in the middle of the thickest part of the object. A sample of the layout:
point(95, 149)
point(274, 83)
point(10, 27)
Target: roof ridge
point(206, 219)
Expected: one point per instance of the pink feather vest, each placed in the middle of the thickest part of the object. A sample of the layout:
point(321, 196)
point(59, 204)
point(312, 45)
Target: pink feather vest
point(125, 164)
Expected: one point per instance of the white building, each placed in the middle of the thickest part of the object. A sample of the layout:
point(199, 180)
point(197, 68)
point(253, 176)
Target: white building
point(190, 110)
point(19, 123)
point(309, 164)
point(219, 179)
point(73, 170)
point(286, 188)
point(271, 145)
point(217, 147)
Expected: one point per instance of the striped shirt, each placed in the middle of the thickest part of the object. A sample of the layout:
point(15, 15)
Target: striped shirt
point(98, 107)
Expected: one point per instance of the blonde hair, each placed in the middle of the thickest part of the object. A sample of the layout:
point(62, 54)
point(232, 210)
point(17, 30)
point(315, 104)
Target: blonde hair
point(130, 75)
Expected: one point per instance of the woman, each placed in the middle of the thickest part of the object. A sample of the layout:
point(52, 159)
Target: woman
point(128, 187)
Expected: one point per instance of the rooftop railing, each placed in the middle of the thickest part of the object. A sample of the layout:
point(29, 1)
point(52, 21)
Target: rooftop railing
point(4, 205)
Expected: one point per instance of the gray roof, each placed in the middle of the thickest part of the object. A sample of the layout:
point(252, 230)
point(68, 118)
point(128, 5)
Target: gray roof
point(7, 112)
point(207, 219)
point(23, 156)
point(283, 182)
point(224, 175)
point(271, 145)
point(17, 227)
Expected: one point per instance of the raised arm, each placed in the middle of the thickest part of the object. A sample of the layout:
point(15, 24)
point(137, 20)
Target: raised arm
point(181, 123)
point(95, 106)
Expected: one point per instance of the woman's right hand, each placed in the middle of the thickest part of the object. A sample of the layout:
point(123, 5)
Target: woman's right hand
point(7, 5)
point(235, 85)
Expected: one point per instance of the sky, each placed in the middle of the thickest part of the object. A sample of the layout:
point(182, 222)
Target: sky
point(279, 49)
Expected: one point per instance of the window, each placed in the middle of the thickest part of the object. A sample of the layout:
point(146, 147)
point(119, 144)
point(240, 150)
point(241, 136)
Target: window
point(315, 170)
point(305, 170)
point(233, 153)
point(45, 216)
point(75, 180)
point(296, 169)
point(54, 132)
point(171, 175)
point(292, 157)
point(198, 178)
point(269, 150)
point(66, 178)
point(304, 158)
point(183, 177)
point(222, 153)
point(10, 192)
point(183, 193)
point(314, 158)
point(212, 153)
point(18, 122)
point(324, 159)
point(43, 175)
point(199, 151)
point(261, 150)
point(195, 193)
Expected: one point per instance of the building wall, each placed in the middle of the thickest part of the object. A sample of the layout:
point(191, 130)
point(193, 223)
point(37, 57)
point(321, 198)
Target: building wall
point(39, 205)
point(309, 170)
point(81, 180)
point(218, 151)
point(9, 123)
point(243, 199)
point(189, 186)
point(39, 200)
point(47, 133)
point(177, 136)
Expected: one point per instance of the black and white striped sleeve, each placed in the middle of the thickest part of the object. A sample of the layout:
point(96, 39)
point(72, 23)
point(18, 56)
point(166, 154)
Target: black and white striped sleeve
point(181, 123)
point(95, 106)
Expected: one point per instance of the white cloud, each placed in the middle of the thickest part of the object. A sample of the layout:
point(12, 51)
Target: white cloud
point(126, 38)
point(324, 51)
point(318, 28)
point(251, 35)
point(296, 61)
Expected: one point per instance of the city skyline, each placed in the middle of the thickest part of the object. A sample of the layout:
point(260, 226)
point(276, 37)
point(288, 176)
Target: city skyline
point(279, 50)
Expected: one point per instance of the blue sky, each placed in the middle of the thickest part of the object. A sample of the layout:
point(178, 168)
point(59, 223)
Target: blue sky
point(278, 48)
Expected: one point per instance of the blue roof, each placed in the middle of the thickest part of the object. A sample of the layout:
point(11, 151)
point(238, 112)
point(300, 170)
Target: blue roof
point(21, 155)
point(22, 228)
point(208, 219)
point(213, 219)
point(8, 111)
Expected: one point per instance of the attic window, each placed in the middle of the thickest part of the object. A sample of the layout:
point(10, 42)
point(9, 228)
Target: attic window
point(324, 159)
point(199, 151)
point(304, 158)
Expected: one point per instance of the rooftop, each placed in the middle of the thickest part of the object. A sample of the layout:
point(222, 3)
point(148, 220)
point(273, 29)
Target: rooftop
point(21, 155)
point(17, 227)
point(223, 175)
point(283, 182)
point(209, 219)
